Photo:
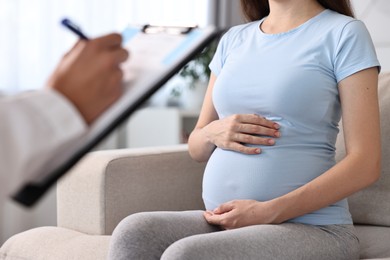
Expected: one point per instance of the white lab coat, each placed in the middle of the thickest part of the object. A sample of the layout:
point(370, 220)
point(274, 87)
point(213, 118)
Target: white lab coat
point(33, 126)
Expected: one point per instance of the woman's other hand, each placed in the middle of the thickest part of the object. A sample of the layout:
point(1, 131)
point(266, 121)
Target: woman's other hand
point(241, 213)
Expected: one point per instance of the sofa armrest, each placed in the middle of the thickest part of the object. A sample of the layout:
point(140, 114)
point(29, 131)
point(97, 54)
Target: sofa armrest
point(107, 186)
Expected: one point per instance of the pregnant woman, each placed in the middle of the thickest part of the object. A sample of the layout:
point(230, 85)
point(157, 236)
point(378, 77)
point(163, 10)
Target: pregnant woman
point(268, 126)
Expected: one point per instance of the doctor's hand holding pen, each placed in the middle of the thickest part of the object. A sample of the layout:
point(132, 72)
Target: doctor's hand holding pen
point(89, 75)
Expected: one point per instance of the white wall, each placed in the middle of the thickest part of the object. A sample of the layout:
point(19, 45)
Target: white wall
point(227, 13)
point(376, 15)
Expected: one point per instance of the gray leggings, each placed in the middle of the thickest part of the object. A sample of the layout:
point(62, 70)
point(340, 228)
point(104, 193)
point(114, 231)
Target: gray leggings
point(187, 236)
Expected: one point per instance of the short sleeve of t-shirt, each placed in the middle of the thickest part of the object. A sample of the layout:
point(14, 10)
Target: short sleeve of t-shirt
point(355, 51)
point(218, 60)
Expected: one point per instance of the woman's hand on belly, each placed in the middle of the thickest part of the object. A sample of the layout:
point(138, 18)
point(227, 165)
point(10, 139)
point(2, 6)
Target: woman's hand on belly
point(241, 213)
point(236, 131)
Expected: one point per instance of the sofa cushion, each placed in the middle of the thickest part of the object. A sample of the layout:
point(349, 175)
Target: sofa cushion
point(47, 243)
point(372, 205)
point(374, 241)
point(107, 186)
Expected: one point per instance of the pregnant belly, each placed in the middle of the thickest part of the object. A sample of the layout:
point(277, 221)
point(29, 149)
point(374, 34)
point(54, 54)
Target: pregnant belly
point(276, 171)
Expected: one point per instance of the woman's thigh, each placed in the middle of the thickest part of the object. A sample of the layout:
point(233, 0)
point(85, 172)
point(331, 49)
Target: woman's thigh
point(146, 235)
point(285, 241)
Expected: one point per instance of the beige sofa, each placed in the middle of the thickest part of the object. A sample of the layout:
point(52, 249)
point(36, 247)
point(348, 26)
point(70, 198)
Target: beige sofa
point(107, 186)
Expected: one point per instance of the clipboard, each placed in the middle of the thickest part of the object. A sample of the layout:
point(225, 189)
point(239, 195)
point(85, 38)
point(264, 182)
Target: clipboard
point(156, 54)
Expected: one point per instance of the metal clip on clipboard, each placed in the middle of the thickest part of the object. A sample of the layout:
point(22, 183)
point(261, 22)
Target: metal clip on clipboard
point(154, 29)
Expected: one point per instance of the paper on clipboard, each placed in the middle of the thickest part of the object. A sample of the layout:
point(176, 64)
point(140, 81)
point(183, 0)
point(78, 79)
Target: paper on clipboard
point(154, 59)
point(151, 56)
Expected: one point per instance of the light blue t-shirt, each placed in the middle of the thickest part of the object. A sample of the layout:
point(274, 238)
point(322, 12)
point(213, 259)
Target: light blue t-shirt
point(291, 78)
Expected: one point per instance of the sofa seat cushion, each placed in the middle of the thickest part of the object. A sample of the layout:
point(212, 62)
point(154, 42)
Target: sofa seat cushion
point(374, 241)
point(46, 243)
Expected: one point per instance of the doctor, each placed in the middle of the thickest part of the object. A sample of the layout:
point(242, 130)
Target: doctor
point(33, 125)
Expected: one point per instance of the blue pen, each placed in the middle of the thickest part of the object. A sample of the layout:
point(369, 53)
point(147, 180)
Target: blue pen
point(74, 28)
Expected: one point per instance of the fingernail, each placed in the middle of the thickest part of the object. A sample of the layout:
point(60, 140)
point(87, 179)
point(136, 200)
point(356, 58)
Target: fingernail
point(258, 150)
point(276, 125)
point(277, 134)
point(271, 141)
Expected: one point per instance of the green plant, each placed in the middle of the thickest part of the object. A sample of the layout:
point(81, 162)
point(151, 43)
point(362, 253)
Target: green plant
point(194, 71)
point(198, 68)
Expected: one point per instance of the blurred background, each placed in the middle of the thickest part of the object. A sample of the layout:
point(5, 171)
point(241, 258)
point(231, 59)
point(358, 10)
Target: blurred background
point(32, 42)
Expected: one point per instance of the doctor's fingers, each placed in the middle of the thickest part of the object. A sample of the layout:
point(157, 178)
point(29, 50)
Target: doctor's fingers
point(119, 55)
point(112, 40)
point(112, 59)
point(114, 82)
point(78, 47)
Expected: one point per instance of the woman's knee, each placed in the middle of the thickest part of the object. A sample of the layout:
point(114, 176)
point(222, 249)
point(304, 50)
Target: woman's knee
point(153, 232)
point(132, 226)
point(135, 236)
point(190, 248)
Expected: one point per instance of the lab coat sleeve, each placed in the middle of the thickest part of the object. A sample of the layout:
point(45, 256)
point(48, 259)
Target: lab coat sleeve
point(33, 126)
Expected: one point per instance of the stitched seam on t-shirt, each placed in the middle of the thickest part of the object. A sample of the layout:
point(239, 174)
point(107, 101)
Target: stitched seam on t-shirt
point(341, 34)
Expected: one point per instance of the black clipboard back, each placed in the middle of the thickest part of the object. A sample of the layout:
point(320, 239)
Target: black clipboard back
point(156, 56)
